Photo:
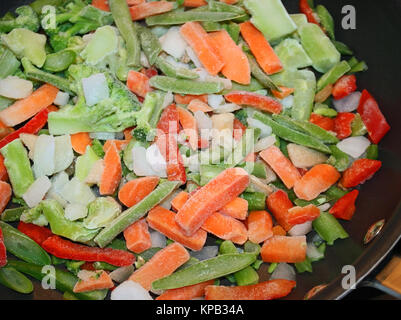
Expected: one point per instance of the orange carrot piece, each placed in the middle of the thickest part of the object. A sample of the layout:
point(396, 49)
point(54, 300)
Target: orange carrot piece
point(299, 215)
point(96, 282)
point(188, 123)
point(147, 9)
point(135, 190)
point(284, 249)
point(198, 105)
point(128, 134)
point(281, 165)
point(101, 5)
point(24, 109)
point(226, 228)
point(261, 49)
point(179, 200)
point(210, 198)
point(229, 1)
point(161, 265)
point(80, 141)
point(260, 226)
point(285, 92)
point(112, 172)
point(315, 181)
point(194, 3)
point(3, 169)
point(138, 83)
point(5, 195)
point(236, 64)
point(163, 221)
point(186, 293)
point(279, 204)
point(120, 144)
point(267, 290)
point(279, 231)
point(135, 2)
point(255, 100)
point(200, 42)
point(186, 99)
point(238, 209)
point(137, 236)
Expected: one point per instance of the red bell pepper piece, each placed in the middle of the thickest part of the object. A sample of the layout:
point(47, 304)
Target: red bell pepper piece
point(299, 215)
point(169, 120)
point(36, 233)
point(342, 124)
point(323, 122)
point(66, 249)
point(360, 171)
point(344, 208)
point(88, 266)
point(344, 86)
point(3, 252)
point(308, 11)
point(279, 204)
point(151, 72)
point(255, 100)
point(239, 129)
point(372, 117)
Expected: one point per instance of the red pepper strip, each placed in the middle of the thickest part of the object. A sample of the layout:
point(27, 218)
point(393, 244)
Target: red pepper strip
point(169, 120)
point(323, 122)
point(307, 10)
point(279, 204)
point(3, 252)
point(360, 171)
point(344, 86)
point(342, 124)
point(372, 117)
point(151, 72)
point(66, 249)
point(254, 100)
point(36, 233)
point(344, 208)
point(239, 130)
point(88, 266)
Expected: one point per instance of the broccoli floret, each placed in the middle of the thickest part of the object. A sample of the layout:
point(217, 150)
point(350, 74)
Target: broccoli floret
point(26, 18)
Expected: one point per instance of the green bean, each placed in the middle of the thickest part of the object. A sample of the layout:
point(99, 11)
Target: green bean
point(150, 44)
point(372, 152)
point(335, 193)
point(12, 215)
point(338, 159)
point(331, 76)
point(326, 20)
point(205, 270)
point(123, 21)
point(272, 267)
point(304, 266)
point(15, 280)
point(257, 169)
point(283, 147)
point(59, 61)
point(184, 86)
point(211, 26)
point(328, 228)
point(256, 200)
point(259, 75)
point(22, 246)
point(218, 6)
point(357, 66)
point(342, 48)
point(324, 110)
point(172, 71)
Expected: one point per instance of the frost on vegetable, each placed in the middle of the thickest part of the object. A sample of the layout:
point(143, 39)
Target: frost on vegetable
point(36, 191)
point(75, 191)
point(101, 211)
point(44, 156)
point(63, 154)
point(15, 87)
point(95, 89)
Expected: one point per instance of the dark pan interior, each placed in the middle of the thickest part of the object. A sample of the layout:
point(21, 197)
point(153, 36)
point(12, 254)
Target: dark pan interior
point(375, 40)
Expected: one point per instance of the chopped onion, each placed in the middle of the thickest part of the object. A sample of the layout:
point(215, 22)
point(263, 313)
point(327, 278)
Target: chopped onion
point(287, 102)
point(349, 103)
point(191, 54)
point(324, 207)
point(283, 271)
point(156, 161)
point(15, 88)
point(75, 211)
point(215, 100)
point(265, 143)
point(144, 60)
point(312, 252)
point(43, 157)
point(85, 275)
point(63, 155)
point(204, 124)
point(173, 43)
point(207, 252)
point(36, 191)
point(158, 240)
point(130, 290)
point(177, 64)
point(227, 107)
point(62, 99)
point(29, 141)
point(303, 157)
point(354, 146)
point(121, 274)
point(95, 89)
point(102, 135)
point(259, 185)
point(141, 167)
point(76, 191)
point(168, 99)
point(95, 174)
point(265, 129)
point(301, 229)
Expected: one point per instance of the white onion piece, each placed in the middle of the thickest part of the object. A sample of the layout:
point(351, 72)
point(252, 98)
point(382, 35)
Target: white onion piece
point(36, 191)
point(15, 88)
point(215, 100)
point(303, 157)
point(265, 129)
point(324, 207)
point(29, 141)
point(62, 99)
point(301, 229)
point(204, 124)
point(158, 240)
point(95, 89)
point(312, 252)
point(166, 203)
point(227, 107)
point(168, 99)
point(121, 274)
point(76, 191)
point(191, 162)
point(130, 290)
point(287, 102)
point(156, 161)
point(43, 157)
point(354, 146)
point(265, 143)
point(349, 103)
point(75, 211)
point(173, 43)
point(95, 173)
point(141, 167)
point(207, 252)
point(177, 64)
point(191, 54)
point(144, 60)
point(63, 155)
point(283, 271)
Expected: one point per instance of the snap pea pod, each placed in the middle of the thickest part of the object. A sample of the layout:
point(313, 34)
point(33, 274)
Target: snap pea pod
point(180, 17)
point(283, 147)
point(211, 26)
point(331, 76)
point(205, 270)
point(12, 215)
point(326, 20)
point(292, 55)
point(338, 159)
point(256, 200)
point(150, 44)
point(372, 152)
point(324, 110)
point(135, 213)
point(259, 75)
point(185, 86)
point(208, 172)
point(317, 201)
point(257, 169)
point(65, 281)
point(23, 247)
point(172, 71)
point(304, 266)
point(357, 126)
point(123, 21)
point(18, 167)
point(15, 280)
point(9, 64)
point(328, 228)
point(189, 263)
point(342, 48)
point(252, 247)
point(335, 193)
point(233, 30)
point(218, 6)
point(255, 85)
point(59, 61)
point(307, 127)
point(291, 135)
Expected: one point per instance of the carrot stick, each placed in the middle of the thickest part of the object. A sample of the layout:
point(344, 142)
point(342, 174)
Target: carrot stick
point(260, 226)
point(237, 208)
point(3, 169)
point(162, 264)
point(112, 172)
point(285, 92)
point(267, 290)
point(163, 221)
point(5, 195)
point(226, 228)
point(24, 109)
point(147, 9)
point(261, 49)
point(188, 98)
point(138, 83)
point(299, 215)
point(135, 2)
point(80, 141)
point(284, 249)
point(279, 204)
point(179, 200)
point(255, 100)
point(100, 280)
point(198, 105)
point(281, 165)
point(188, 123)
point(101, 5)
point(186, 293)
point(236, 64)
point(137, 236)
point(210, 198)
point(120, 144)
point(194, 3)
point(200, 42)
point(279, 231)
point(315, 181)
point(135, 190)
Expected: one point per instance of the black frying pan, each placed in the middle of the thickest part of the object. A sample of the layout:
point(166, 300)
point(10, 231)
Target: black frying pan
point(375, 40)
